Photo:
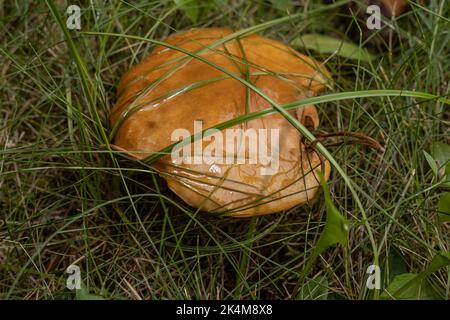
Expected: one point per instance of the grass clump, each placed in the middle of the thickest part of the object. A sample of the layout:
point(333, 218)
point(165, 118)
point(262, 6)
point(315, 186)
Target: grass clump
point(66, 197)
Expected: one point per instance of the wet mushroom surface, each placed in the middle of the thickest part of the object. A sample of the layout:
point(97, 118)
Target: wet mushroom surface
point(170, 95)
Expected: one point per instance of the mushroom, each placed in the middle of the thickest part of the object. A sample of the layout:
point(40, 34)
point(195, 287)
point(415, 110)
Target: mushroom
point(170, 91)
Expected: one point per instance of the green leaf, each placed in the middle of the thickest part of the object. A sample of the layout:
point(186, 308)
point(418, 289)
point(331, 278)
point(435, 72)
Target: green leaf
point(336, 226)
point(441, 153)
point(83, 294)
point(443, 208)
point(431, 162)
point(315, 289)
point(326, 44)
point(189, 7)
point(335, 231)
point(397, 263)
point(417, 286)
point(419, 290)
point(439, 261)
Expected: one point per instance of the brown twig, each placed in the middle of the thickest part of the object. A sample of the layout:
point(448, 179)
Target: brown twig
point(358, 138)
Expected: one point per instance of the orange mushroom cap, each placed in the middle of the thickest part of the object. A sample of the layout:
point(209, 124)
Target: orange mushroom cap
point(170, 90)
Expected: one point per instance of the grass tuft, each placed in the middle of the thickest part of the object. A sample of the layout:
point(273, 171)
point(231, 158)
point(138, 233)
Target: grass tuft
point(68, 197)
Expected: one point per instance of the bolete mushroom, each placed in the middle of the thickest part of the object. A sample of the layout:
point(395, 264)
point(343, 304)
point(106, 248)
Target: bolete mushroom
point(171, 92)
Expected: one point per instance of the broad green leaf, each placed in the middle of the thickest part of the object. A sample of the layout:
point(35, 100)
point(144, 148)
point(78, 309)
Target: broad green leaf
point(431, 162)
point(419, 290)
point(315, 289)
point(397, 263)
point(83, 294)
point(439, 261)
point(336, 226)
point(443, 208)
point(417, 286)
point(441, 153)
point(326, 44)
point(335, 231)
point(189, 7)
